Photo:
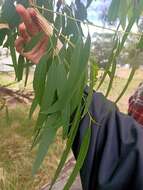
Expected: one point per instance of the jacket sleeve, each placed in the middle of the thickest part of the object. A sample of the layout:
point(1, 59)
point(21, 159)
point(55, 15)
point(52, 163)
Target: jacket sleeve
point(115, 155)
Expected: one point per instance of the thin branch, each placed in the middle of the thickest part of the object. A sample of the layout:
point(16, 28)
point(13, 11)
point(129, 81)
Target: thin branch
point(85, 22)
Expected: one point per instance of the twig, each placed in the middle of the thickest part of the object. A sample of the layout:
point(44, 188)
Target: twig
point(85, 22)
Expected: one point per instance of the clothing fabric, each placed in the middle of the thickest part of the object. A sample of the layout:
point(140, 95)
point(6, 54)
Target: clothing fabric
point(115, 156)
point(136, 105)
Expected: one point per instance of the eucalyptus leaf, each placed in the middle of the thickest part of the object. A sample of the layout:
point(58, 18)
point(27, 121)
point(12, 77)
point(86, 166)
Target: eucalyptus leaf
point(113, 10)
point(13, 52)
point(20, 67)
point(48, 136)
point(80, 159)
point(40, 77)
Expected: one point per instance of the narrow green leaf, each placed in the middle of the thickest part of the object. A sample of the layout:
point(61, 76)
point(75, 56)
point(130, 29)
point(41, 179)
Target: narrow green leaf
point(72, 27)
point(78, 65)
point(12, 52)
point(108, 65)
point(33, 107)
point(127, 31)
point(3, 33)
point(40, 77)
point(20, 67)
point(80, 159)
point(66, 120)
point(50, 88)
point(123, 13)
point(9, 14)
point(113, 10)
point(9, 65)
point(112, 75)
point(127, 83)
point(47, 138)
point(26, 74)
point(58, 23)
point(49, 4)
point(40, 121)
point(61, 78)
point(88, 3)
point(72, 134)
point(81, 11)
point(93, 78)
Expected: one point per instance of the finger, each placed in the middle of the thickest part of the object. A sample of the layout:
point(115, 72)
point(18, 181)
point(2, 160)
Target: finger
point(23, 33)
point(37, 56)
point(36, 53)
point(37, 48)
point(33, 13)
point(22, 11)
point(26, 18)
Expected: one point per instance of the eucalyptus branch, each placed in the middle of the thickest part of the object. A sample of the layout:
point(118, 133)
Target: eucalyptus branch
point(89, 23)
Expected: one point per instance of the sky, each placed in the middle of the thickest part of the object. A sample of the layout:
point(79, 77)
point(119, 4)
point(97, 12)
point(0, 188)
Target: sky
point(96, 8)
point(95, 13)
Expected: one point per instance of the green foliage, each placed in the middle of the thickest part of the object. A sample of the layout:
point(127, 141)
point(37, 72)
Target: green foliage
point(80, 159)
point(60, 78)
point(8, 13)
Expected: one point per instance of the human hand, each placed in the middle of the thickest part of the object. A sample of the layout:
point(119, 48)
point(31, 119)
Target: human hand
point(27, 29)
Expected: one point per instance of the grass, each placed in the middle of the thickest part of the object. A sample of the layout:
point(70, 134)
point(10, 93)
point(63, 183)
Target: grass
point(16, 157)
point(118, 84)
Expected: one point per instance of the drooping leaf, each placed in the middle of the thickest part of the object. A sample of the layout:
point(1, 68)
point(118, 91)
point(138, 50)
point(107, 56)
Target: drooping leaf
point(80, 159)
point(93, 78)
point(13, 52)
point(113, 10)
point(108, 65)
point(61, 78)
point(70, 140)
point(123, 13)
point(80, 55)
point(40, 77)
point(112, 74)
point(48, 135)
point(88, 3)
point(81, 11)
point(33, 107)
point(3, 33)
point(26, 74)
point(20, 67)
point(49, 4)
point(134, 68)
point(9, 14)
point(50, 88)
point(66, 120)
point(40, 121)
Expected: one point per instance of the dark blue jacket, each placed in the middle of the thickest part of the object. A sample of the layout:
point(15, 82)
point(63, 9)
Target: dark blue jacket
point(115, 156)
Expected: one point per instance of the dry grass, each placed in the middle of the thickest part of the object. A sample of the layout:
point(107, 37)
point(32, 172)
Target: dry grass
point(119, 82)
point(16, 158)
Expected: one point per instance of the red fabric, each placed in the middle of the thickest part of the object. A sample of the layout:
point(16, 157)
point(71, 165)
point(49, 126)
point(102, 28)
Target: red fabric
point(136, 105)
